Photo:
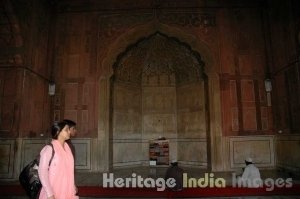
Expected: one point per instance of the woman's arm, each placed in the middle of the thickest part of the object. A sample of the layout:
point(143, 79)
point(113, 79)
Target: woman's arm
point(45, 156)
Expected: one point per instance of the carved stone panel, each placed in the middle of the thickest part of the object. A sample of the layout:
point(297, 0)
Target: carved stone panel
point(8, 95)
point(192, 152)
point(191, 111)
point(7, 160)
point(259, 148)
point(127, 152)
point(286, 152)
point(159, 112)
point(126, 111)
point(156, 60)
point(159, 99)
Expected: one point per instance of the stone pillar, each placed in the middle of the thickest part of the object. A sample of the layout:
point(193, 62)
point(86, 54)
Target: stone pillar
point(217, 152)
point(102, 145)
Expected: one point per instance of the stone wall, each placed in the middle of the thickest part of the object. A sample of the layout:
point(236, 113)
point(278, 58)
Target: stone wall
point(236, 46)
point(25, 72)
point(287, 157)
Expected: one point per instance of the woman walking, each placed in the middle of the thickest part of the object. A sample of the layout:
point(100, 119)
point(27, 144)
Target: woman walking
point(58, 178)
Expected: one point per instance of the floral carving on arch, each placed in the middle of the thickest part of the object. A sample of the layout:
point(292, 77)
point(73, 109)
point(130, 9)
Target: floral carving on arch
point(159, 55)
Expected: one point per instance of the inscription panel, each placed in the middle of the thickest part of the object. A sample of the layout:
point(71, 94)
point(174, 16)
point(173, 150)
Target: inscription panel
point(259, 148)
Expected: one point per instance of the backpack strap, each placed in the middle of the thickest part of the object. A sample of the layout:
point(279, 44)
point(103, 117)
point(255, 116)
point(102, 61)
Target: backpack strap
point(53, 152)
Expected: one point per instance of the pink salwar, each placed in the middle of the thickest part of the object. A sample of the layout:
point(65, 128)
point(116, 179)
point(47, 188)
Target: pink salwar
point(58, 179)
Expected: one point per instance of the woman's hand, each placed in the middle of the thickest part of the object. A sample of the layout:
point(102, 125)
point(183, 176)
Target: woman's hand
point(51, 197)
point(76, 190)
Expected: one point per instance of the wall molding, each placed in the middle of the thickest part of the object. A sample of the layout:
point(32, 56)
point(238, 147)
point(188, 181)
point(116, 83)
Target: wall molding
point(7, 160)
point(260, 148)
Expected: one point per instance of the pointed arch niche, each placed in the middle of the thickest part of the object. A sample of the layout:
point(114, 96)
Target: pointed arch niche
point(159, 90)
point(159, 86)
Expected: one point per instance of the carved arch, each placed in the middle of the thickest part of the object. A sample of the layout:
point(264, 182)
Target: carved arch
point(216, 153)
point(131, 37)
point(159, 54)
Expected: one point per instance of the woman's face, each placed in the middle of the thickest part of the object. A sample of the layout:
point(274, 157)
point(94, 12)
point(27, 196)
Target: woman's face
point(65, 133)
point(73, 131)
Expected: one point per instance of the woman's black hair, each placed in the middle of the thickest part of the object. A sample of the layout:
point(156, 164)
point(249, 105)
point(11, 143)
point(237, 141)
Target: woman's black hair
point(56, 128)
point(70, 123)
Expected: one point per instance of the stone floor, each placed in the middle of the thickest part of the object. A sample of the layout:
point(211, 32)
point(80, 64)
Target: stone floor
point(95, 179)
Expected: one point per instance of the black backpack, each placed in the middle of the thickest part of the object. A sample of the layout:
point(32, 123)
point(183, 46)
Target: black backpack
point(29, 177)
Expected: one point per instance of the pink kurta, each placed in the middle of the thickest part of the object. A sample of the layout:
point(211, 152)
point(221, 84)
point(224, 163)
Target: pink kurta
point(58, 180)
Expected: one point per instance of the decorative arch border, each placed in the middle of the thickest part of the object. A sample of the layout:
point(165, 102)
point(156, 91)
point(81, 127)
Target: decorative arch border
point(128, 38)
point(215, 142)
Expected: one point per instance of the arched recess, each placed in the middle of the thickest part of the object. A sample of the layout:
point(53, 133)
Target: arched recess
point(215, 157)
